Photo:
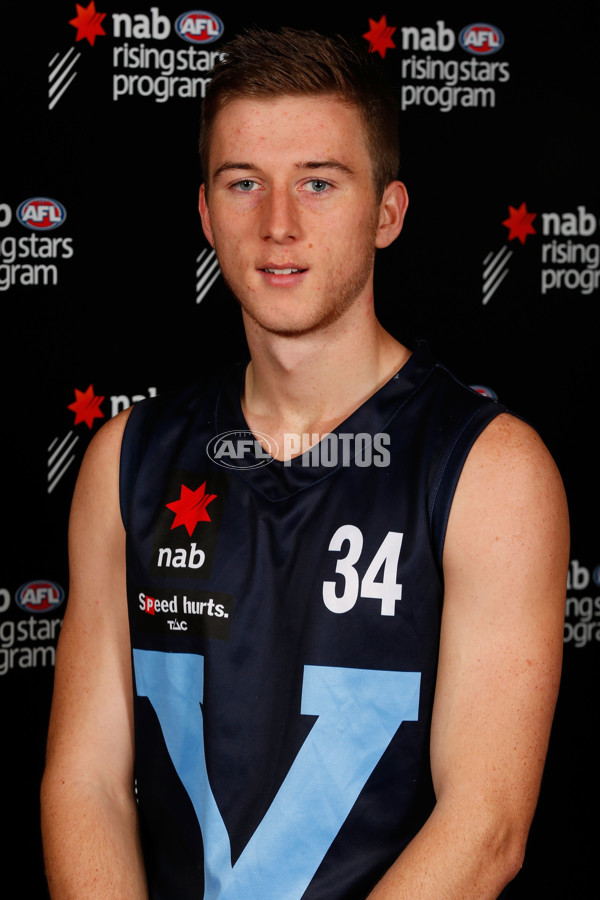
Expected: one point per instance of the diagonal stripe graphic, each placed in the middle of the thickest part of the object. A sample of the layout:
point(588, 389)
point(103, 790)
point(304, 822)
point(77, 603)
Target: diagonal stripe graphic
point(58, 74)
point(493, 274)
point(60, 458)
point(207, 273)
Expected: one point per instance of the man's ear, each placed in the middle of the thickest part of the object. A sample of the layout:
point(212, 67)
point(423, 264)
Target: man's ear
point(205, 216)
point(392, 210)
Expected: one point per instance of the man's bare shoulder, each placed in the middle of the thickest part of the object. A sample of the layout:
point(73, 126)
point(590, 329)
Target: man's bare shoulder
point(106, 443)
point(95, 509)
point(510, 455)
point(100, 465)
point(510, 508)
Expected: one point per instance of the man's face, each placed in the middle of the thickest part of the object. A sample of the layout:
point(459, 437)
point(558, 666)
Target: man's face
point(292, 211)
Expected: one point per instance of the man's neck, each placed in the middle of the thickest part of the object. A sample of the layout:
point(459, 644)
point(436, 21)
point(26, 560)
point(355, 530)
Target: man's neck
point(310, 384)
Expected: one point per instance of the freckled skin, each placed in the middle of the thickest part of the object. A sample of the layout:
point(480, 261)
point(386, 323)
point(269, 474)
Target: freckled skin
point(273, 207)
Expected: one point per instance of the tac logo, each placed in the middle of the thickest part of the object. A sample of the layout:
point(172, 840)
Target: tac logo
point(481, 39)
point(199, 27)
point(201, 613)
point(41, 214)
point(39, 596)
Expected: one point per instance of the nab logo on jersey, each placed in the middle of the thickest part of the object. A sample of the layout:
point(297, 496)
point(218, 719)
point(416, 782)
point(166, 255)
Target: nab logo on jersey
point(41, 214)
point(188, 524)
point(39, 596)
point(481, 39)
point(181, 557)
point(199, 27)
point(190, 507)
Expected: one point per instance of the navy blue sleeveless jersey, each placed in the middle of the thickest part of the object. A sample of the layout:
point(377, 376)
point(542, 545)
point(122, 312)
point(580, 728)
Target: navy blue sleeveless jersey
point(284, 624)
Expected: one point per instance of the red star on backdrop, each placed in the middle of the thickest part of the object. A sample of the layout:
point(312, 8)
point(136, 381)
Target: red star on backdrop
point(519, 223)
point(87, 22)
point(379, 36)
point(86, 407)
point(191, 507)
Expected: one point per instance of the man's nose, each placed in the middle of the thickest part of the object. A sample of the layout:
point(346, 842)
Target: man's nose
point(280, 220)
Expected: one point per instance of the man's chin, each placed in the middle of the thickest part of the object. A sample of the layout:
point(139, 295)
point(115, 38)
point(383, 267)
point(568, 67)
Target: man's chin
point(296, 317)
point(287, 327)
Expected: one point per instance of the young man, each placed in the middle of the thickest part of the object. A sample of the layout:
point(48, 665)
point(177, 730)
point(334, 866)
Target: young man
point(310, 720)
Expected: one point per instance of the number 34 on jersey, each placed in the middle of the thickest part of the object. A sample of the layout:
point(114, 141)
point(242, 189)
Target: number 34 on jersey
point(380, 579)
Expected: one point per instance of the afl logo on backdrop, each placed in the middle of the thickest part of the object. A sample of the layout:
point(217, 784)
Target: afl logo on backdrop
point(39, 596)
point(481, 39)
point(199, 27)
point(41, 214)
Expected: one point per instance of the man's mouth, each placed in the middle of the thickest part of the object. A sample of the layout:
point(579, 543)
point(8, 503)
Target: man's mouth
point(290, 271)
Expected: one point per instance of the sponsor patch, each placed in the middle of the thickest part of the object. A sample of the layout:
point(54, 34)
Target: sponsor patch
point(186, 532)
point(204, 614)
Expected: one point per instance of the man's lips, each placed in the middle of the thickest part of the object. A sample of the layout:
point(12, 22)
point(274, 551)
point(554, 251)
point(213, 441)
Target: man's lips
point(282, 276)
point(282, 270)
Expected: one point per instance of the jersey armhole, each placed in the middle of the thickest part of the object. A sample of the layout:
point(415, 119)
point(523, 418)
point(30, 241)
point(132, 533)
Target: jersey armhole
point(132, 447)
point(449, 471)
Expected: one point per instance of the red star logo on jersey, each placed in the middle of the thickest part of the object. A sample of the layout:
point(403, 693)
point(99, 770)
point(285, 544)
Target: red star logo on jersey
point(87, 22)
point(86, 406)
point(191, 507)
point(519, 223)
point(379, 36)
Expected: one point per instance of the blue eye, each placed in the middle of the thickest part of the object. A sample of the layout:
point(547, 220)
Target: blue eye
point(318, 186)
point(246, 185)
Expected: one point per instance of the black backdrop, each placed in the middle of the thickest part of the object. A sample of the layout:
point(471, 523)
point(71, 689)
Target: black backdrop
point(110, 293)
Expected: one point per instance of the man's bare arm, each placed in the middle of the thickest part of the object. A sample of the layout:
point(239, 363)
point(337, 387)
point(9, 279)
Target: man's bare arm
point(89, 819)
point(505, 564)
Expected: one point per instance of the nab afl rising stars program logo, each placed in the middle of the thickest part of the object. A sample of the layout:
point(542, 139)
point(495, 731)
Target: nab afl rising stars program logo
point(32, 259)
point(148, 60)
point(432, 72)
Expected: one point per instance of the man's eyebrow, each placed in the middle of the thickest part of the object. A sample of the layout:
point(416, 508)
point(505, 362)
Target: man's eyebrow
point(325, 164)
point(311, 164)
point(227, 166)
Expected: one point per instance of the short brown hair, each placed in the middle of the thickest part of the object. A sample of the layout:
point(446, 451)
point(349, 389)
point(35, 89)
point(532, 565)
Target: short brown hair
point(288, 62)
